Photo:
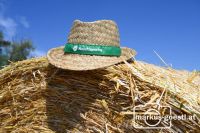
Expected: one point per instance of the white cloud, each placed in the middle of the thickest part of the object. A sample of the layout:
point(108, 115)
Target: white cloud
point(38, 53)
point(9, 25)
point(24, 22)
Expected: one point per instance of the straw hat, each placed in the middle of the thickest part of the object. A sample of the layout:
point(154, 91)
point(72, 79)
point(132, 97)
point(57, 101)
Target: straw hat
point(91, 45)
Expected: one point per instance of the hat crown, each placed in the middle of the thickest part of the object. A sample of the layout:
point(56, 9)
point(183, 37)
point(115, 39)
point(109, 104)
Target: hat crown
point(101, 32)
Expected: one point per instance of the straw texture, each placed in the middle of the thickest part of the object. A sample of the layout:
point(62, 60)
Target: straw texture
point(38, 97)
point(85, 62)
point(102, 32)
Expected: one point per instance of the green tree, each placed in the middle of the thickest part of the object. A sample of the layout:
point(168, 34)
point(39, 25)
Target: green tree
point(21, 50)
point(3, 43)
point(3, 47)
point(14, 51)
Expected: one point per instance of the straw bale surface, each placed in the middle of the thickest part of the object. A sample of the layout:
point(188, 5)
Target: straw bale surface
point(37, 97)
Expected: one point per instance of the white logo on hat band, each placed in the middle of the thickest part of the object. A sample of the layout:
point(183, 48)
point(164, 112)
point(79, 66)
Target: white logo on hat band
point(90, 49)
point(75, 48)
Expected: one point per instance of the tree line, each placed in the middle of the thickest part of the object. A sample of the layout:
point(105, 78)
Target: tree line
point(12, 51)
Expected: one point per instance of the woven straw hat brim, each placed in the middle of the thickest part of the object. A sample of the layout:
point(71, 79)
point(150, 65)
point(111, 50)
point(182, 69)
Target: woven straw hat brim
point(58, 58)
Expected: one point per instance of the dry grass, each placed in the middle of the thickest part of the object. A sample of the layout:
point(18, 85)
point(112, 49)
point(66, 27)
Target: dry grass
point(37, 97)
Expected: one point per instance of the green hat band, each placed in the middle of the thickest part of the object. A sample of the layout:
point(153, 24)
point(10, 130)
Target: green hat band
point(88, 49)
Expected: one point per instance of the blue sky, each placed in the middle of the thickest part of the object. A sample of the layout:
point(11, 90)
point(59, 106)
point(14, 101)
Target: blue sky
point(170, 27)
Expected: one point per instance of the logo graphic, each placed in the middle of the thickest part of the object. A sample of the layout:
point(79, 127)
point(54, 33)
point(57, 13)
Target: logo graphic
point(152, 115)
point(75, 48)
